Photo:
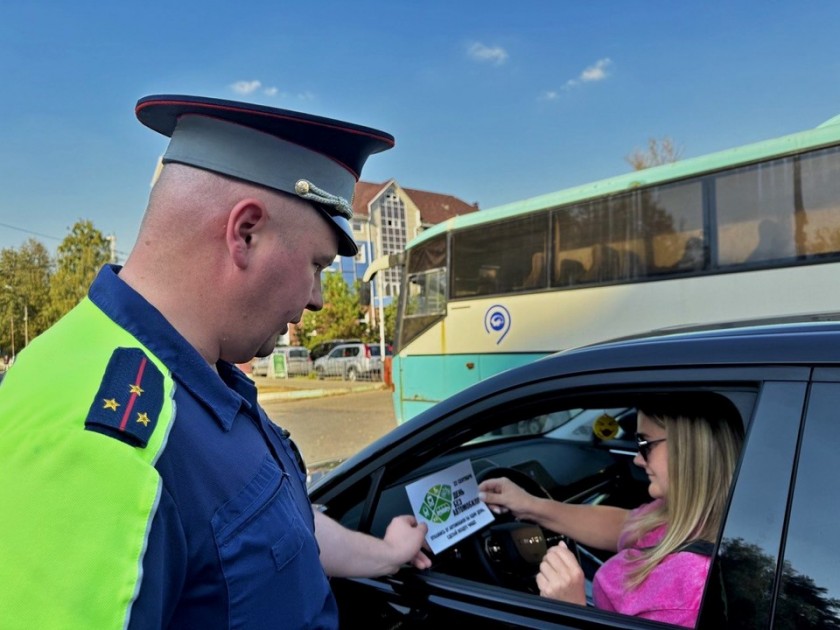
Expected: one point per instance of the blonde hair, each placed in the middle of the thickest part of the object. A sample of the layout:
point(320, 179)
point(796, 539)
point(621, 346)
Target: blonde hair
point(704, 437)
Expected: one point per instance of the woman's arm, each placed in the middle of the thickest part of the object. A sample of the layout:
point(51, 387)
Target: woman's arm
point(593, 525)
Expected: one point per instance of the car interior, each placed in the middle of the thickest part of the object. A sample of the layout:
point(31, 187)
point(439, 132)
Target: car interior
point(576, 449)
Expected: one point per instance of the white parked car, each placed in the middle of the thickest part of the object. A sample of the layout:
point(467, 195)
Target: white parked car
point(284, 361)
point(352, 361)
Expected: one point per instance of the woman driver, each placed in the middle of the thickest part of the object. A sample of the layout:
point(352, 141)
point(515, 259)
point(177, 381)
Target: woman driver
point(688, 446)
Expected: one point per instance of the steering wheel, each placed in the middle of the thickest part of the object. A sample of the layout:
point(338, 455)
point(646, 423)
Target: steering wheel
point(509, 550)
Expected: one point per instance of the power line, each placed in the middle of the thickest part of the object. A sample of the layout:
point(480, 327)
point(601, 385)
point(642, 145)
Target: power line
point(123, 254)
point(20, 229)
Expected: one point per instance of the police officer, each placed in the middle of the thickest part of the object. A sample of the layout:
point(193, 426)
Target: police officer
point(144, 486)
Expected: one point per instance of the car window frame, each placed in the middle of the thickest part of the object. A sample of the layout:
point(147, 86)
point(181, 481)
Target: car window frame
point(377, 475)
point(762, 523)
point(812, 511)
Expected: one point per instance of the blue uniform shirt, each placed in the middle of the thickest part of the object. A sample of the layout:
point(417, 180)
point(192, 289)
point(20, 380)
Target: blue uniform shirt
point(232, 541)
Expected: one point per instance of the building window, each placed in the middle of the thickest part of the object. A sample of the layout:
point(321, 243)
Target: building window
point(361, 255)
point(392, 237)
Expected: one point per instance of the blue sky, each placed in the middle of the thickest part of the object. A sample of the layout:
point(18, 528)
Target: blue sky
point(489, 101)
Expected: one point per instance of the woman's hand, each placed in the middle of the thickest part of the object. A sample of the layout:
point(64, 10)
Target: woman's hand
point(502, 495)
point(561, 577)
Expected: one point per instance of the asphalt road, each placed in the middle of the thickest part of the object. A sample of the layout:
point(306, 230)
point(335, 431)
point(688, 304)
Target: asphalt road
point(334, 426)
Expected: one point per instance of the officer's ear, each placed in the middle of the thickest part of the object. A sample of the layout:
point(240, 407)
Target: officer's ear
point(246, 222)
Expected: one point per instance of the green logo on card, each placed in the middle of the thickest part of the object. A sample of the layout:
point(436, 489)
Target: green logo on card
point(437, 505)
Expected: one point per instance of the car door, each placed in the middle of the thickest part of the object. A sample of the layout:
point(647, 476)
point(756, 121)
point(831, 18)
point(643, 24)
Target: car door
point(334, 362)
point(298, 361)
point(749, 552)
point(770, 399)
point(350, 360)
point(292, 361)
point(808, 581)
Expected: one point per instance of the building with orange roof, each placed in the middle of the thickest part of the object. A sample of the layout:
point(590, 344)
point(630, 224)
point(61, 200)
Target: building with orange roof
point(386, 216)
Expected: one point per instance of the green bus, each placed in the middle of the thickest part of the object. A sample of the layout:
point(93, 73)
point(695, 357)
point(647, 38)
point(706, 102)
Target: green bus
point(748, 233)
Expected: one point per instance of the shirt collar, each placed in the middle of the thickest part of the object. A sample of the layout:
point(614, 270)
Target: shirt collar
point(222, 391)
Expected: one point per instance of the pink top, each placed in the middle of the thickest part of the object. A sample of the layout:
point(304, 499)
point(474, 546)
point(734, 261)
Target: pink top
point(671, 593)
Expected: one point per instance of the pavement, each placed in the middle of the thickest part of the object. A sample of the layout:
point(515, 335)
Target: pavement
point(301, 387)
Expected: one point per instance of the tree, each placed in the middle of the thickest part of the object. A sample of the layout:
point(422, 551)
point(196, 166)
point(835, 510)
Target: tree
point(748, 573)
point(80, 256)
point(339, 319)
point(658, 152)
point(391, 321)
point(24, 294)
point(389, 312)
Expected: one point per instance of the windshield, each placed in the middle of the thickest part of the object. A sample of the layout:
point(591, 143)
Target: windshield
point(576, 425)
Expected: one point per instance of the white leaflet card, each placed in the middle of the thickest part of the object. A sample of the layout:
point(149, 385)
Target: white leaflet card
point(448, 503)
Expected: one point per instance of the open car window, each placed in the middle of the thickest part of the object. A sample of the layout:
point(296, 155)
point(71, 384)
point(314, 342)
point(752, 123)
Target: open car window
point(571, 448)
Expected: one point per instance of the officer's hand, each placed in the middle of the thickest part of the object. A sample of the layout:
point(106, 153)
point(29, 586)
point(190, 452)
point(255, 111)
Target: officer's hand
point(406, 537)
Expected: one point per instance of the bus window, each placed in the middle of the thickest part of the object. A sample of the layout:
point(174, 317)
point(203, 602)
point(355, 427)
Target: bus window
point(422, 303)
point(817, 222)
point(677, 243)
point(626, 237)
point(780, 210)
point(423, 296)
point(507, 257)
point(429, 255)
point(754, 207)
point(426, 293)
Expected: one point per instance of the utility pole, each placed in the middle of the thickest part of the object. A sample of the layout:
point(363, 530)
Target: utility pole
point(380, 293)
point(112, 248)
point(377, 290)
point(12, 319)
point(11, 291)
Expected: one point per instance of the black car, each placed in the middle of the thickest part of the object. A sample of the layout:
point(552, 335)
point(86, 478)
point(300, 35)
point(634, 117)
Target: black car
point(776, 561)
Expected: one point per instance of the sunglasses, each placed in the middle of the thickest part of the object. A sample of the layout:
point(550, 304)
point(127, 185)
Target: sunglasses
point(645, 446)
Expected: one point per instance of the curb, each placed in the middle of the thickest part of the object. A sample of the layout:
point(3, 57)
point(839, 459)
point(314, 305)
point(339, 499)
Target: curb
point(300, 394)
